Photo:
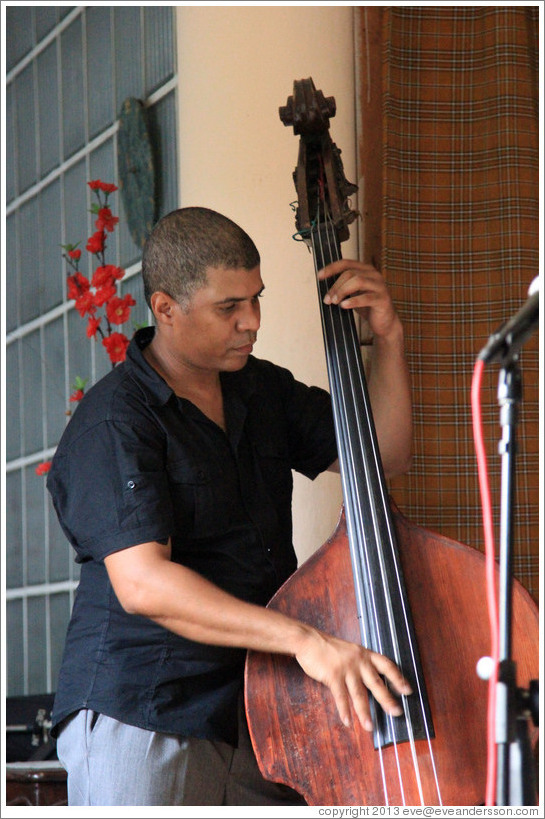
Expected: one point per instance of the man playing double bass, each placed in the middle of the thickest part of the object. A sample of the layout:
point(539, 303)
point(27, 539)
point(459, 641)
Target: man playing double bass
point(173, 483)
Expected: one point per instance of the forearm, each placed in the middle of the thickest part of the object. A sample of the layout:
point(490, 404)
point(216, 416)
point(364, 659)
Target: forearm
point(390, 394)
point(190, 605)
point(183, 601)
point(147, 583)
point(210, 615)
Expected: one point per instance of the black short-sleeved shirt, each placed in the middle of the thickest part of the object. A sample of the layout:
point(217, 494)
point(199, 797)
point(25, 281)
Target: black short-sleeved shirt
point(136, 464)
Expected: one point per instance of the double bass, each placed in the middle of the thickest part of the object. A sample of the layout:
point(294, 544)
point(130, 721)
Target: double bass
point(381, 580)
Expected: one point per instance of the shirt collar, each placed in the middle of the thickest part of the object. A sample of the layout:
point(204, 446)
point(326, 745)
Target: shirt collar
point(241, 383)
point(155, 385)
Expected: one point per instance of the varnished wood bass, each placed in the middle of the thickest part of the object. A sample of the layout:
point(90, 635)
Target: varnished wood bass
point(380, 580)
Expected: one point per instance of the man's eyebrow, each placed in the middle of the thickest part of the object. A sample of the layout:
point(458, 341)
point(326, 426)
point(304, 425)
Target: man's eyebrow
point(231, 299)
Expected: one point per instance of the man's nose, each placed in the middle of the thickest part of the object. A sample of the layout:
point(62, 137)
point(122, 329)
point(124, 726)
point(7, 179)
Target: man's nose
point(249, 318)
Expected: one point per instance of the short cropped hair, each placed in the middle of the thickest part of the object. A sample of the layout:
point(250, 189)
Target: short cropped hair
point(186, 242)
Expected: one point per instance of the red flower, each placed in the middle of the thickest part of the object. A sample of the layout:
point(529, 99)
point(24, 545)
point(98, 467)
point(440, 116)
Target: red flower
point(43, 468)
point(95, 243)
point(106, 275)
point(92, 326)
point(85, 303)
point(106, 187)
point(77, 395)
point(97, 291)
point(116, 346)
point(103, 294)
point(77, 285)
point(118, 310)
point(105, 220)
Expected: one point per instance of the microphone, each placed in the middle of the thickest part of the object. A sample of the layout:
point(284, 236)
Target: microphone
point(508, 339)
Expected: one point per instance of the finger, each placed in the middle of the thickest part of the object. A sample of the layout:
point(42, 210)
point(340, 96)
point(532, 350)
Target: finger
point(360, 700)
point(384, 697)
point(334, 268)
point(375, 666)
point(341, 265)
point(354, 301)
point(367, 678)
point(380, 691)
point(391, 671)
point(350, 285)
point(354, 280)
point(342, 701)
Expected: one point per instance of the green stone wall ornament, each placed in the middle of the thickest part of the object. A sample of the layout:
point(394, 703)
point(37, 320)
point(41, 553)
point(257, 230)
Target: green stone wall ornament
point(136, 169)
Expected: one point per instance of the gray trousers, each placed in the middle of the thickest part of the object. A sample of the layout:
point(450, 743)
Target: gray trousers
point(110, 763)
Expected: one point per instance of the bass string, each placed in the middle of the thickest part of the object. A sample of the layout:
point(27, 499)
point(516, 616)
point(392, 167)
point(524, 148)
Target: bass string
point(349, 492)
point(349, 325)
point(349, 341)
point(348, 468)
point(358, 390)
point(347, 452)
point(349, 448)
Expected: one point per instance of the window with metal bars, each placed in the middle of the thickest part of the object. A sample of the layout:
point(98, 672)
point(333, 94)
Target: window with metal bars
point(68, 71)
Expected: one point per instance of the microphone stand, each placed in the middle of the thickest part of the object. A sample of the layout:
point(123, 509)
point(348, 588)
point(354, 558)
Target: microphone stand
point(516, 780)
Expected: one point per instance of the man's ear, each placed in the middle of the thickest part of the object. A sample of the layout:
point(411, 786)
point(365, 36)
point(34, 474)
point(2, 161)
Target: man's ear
point(162, 306)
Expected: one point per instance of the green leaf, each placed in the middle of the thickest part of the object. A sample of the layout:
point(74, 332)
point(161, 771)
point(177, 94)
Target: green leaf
point(79, 383)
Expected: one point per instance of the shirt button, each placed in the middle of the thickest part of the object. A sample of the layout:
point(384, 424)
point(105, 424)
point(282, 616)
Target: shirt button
point(131, 484)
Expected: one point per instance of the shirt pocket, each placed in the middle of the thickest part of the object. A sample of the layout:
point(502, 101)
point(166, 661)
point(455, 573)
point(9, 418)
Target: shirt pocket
point(274, 465)
point(199, 497)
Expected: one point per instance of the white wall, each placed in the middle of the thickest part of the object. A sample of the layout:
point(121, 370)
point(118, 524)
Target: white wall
point(237, 65)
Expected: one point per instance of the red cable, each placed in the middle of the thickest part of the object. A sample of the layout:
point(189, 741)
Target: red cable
point(490, 579)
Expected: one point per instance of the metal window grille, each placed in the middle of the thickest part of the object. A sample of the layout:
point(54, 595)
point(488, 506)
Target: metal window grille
point(68, 70)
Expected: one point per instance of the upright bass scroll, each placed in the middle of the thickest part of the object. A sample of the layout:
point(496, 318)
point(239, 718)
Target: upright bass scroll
point(319, 174)
point(407, 593)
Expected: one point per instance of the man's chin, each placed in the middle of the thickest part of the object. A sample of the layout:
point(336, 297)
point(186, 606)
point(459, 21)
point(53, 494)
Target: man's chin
point(234, 363)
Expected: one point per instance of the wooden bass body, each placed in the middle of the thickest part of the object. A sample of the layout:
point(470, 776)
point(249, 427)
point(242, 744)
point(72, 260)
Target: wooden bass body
point(297, 734)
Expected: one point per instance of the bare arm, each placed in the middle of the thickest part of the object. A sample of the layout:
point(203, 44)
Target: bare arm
point(148, 583)
point(362, 288)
